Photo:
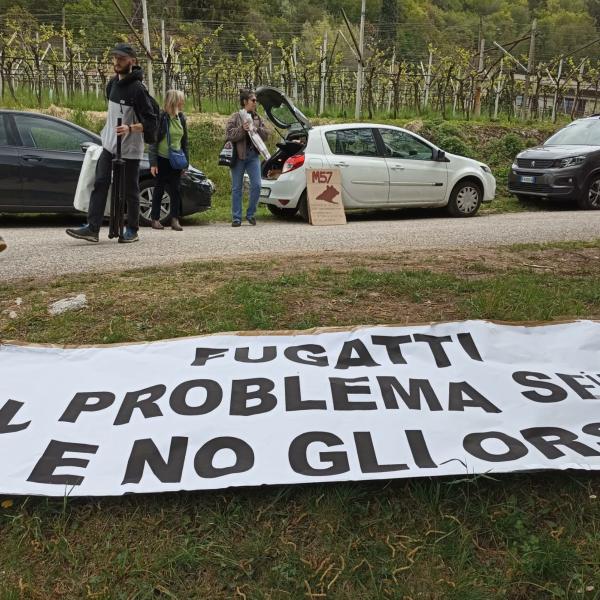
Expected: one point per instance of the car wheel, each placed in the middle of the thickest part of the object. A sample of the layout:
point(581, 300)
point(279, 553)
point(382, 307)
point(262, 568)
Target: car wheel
point(590, 197)
point(146, 193)
point(465, 199)
point(282, 213)
point(303, 207)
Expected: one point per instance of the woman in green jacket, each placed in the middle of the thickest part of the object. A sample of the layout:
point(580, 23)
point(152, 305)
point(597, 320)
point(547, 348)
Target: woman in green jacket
point(173, 120)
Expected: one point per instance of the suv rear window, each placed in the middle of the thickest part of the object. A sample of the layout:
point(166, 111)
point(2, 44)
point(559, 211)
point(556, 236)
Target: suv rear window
point(578, 133)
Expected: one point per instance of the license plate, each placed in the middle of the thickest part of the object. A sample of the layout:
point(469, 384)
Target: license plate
point(527, 179)
point(265, 192)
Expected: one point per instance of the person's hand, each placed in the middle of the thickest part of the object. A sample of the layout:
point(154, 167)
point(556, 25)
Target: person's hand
point(154, 171)
point(122, 130)
point(246, 125)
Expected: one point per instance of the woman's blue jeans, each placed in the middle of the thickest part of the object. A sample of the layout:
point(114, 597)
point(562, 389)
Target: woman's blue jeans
point(250, 165)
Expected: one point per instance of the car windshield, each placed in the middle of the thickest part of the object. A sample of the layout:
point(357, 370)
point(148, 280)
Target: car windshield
point(580, 133)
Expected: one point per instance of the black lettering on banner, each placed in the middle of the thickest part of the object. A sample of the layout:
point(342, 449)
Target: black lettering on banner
point(463, 395)
point(367, 457)
point(419, 449)
point(515, 449)
point(341, 390)
point(240, 394)
point(205, 354)
point(362, 359)
point(293, 397)
point(392, 344)
point(531, 379)
point(580, 389)
point(8, 413)
point(80, 403)
point(146, 404)
point(145, 452)
point(312, 350)
point(468, 344)
point(390, 387)
point(178, 400)
point(243, 355)
point(536, 436)
point(593, 380)
point(435, 343)
point(203, 462)
point(53, 457)
point(299, 460)
point(592, 429)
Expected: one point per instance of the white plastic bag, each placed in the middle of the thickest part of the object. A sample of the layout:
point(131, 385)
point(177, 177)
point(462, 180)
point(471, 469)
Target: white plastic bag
point(87, 177)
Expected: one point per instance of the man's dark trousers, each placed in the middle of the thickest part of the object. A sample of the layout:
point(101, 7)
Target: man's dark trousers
point(100, 193)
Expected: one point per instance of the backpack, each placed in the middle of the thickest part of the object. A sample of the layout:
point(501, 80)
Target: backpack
point(151, 123)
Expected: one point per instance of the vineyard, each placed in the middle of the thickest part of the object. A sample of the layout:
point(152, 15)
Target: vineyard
point(44, 62)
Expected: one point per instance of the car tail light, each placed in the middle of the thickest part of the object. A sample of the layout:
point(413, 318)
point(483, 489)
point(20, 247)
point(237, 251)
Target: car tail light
point(292, 163)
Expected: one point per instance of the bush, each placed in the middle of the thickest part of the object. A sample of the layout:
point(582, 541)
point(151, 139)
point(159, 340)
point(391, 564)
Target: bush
point(511, 144)
point(448, 136)
point(455, 145)
point(447, 130)
point(502, 151)
point(82, 119)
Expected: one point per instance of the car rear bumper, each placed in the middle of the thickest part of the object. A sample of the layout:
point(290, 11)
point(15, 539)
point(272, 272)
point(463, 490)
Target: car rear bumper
point(285, 191)
point(196, 196)
point(549, 183)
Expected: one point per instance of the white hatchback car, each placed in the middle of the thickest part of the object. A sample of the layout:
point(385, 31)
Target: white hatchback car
point(382, 166)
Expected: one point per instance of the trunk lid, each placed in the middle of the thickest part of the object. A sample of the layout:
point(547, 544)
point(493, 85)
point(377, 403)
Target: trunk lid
point(280, 109)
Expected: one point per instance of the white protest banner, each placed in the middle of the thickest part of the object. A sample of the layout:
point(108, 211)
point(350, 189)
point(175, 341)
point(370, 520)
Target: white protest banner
point(238, 410)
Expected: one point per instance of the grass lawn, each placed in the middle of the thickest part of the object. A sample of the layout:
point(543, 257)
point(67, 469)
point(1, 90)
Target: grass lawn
point(524, 536)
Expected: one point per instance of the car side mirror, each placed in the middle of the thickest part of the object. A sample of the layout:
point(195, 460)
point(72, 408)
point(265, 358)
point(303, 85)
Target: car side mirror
point(441, 156)
point(85, 145)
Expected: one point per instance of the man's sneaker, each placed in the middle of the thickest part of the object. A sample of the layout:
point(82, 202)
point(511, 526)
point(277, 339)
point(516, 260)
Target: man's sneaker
point(236, 223)
point(129, 236)
point(83, 233)
point(251, 220)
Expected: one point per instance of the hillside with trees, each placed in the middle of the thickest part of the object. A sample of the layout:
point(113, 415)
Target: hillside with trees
point(419, 55)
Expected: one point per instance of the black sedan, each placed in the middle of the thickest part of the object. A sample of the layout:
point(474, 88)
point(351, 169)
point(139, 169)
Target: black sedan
point(40, 161)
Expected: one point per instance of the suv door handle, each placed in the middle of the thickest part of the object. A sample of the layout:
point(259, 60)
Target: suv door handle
point(397, 168)
point(31, 157)
point(341, 164)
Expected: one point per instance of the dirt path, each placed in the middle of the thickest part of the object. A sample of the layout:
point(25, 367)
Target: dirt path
point(43, 251)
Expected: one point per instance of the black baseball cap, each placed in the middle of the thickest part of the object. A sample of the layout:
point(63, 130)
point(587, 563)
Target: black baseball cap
point(123, 49)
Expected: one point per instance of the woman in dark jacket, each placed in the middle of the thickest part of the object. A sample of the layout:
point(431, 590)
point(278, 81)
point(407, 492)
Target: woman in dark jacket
point(247, 160)
point(173, 119)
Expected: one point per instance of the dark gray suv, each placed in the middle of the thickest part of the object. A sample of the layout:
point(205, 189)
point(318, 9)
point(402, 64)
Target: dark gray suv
point(565, 167)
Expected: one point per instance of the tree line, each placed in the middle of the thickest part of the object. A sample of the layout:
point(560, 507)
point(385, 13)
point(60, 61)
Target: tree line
point(315, 61)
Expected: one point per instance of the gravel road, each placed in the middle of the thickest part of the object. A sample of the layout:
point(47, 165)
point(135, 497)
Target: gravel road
point(43, 251)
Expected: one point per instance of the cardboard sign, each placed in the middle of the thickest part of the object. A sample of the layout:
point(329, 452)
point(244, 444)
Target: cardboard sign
point(324, 194)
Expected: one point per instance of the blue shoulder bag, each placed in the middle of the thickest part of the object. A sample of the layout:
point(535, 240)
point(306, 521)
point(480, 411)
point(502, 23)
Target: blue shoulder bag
point(177, 158)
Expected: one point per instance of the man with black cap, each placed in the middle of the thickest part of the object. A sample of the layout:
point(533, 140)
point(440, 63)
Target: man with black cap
point(128, 99)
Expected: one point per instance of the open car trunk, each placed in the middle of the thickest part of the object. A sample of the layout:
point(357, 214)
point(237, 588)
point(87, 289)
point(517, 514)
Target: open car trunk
point(271, 169)
point(284, 115)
